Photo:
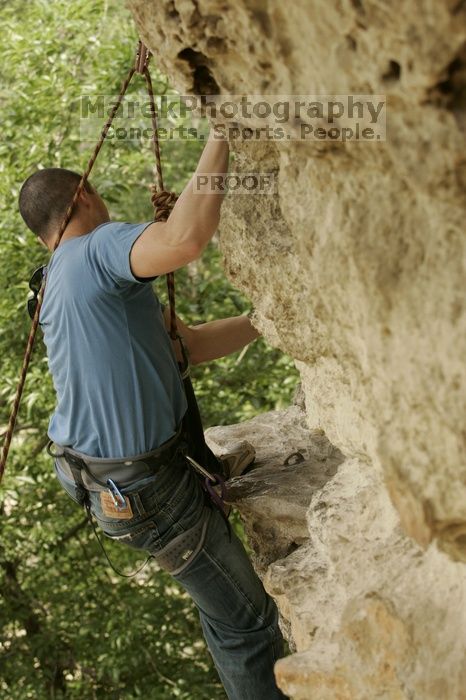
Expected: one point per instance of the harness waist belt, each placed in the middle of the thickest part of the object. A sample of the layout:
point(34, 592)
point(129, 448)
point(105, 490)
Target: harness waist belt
point(96, 470)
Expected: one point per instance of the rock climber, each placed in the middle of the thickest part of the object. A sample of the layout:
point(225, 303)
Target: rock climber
point(117, 430)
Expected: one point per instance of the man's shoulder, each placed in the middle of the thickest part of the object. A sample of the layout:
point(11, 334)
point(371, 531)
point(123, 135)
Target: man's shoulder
point(117, 236)
point(109, 228)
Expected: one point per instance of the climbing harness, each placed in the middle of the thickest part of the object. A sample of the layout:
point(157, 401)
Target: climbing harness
point(91, 474)
point(163, 202)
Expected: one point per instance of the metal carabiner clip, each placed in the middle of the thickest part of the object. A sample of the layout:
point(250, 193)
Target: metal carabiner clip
point(200, 469)
point(117, 497)
point(211, 481)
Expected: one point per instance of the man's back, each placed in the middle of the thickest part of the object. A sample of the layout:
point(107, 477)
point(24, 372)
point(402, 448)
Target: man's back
point(119, 391)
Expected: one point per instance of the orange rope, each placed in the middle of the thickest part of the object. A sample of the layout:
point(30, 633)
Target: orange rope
point(162, 200)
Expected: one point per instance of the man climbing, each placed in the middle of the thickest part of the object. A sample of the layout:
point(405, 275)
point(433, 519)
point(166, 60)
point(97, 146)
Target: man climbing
point(118, 429)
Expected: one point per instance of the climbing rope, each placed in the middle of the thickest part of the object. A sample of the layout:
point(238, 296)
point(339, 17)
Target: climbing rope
point(162, 201)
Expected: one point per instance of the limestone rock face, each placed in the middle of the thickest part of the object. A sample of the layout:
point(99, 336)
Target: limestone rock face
point(356, 268)
point(368, 611)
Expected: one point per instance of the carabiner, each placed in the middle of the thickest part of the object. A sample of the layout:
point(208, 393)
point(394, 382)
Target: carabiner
point(117, 497)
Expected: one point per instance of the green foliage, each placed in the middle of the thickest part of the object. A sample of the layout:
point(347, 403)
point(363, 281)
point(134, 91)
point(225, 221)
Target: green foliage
point(69, 627)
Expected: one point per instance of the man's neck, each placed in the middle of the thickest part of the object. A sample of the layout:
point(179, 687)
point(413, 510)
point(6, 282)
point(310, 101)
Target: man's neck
point(75, 230)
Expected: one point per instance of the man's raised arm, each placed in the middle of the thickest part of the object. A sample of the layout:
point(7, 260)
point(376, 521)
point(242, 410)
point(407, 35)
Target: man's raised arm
point(166, 246)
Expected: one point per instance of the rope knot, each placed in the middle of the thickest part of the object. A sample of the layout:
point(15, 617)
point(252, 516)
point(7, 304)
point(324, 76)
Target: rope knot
point(163, 202)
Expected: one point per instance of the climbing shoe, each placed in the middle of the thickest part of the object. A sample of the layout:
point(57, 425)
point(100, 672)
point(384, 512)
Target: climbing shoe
point(239, 459)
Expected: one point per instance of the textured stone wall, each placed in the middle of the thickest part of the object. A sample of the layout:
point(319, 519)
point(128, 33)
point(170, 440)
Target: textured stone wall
point(357, 269)
point(367, 611)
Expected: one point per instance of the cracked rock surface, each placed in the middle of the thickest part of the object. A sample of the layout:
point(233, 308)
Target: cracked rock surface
point(368, 613)
point(356, 268)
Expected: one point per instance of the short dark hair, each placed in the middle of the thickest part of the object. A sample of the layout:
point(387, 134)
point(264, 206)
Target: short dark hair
point(45, 196)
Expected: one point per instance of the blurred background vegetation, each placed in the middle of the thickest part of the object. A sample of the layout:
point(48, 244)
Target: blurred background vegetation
point(69, 627)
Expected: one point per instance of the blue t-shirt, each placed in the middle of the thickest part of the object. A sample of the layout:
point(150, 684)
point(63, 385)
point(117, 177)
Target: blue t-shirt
point(119, 389)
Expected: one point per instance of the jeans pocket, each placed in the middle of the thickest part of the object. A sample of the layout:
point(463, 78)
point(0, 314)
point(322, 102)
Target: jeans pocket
point(152, 522)
point(174, 492)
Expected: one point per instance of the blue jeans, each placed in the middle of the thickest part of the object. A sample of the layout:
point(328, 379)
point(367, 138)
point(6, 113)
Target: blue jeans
point(239, 619)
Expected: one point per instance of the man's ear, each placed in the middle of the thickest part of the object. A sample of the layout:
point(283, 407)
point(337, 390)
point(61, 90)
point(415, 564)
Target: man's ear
point(84, 199)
